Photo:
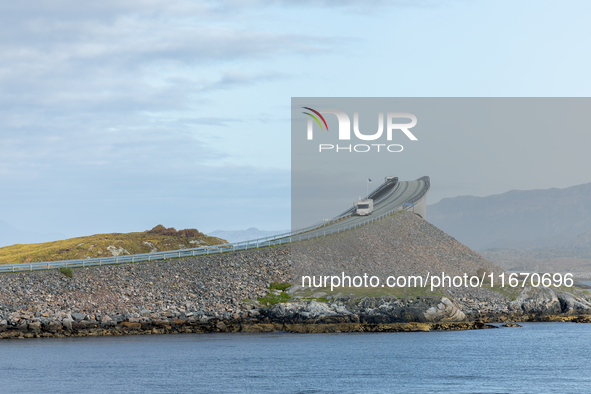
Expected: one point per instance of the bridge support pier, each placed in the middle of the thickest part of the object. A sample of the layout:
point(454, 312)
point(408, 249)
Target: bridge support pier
point(420, 207)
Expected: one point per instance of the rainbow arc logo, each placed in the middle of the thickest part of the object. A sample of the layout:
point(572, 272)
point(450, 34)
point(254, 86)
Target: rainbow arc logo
point(315, 118)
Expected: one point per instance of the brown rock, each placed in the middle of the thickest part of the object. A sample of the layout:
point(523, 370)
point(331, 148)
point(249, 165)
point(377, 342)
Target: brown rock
point(54, 327)
point(79, 325)
point(257, 328)
point(131, 325)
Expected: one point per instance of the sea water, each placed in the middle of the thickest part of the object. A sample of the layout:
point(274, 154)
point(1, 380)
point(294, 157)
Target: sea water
point(536, 358)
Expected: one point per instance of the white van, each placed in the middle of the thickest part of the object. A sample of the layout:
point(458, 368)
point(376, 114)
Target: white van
point(364, 207)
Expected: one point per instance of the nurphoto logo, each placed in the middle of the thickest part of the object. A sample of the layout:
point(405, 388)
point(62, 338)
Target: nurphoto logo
point(344, 132)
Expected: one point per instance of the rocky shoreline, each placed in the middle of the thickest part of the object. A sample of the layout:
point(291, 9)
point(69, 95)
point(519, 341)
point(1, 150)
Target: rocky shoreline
point(175, 297)
point(70, 327)
point(185, 326)
point(345, 314)
point(232, 292)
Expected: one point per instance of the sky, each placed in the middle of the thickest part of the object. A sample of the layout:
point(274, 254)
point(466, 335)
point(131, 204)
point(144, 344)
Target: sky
point(464, 144)
point(119, 116)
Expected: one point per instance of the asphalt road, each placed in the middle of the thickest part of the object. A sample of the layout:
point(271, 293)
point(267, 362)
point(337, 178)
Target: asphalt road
point(407, 191)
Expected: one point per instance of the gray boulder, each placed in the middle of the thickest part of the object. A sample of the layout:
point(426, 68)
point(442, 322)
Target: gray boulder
point(446, 311)
point(316, 309)
point(572, 305)
point(67, 322)
point(78, 316)
point(283, 310)
point(541, 300)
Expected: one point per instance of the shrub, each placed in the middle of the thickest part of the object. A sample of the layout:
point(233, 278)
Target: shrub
point(67, 271)
point(190, 233)
point(186, 233)
point(279, 286)
point(272, 299)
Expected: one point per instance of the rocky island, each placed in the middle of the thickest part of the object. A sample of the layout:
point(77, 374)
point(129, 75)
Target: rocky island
point(258, 291)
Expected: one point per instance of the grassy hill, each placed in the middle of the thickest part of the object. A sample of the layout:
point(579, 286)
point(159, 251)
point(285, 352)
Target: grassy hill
point(107, 245)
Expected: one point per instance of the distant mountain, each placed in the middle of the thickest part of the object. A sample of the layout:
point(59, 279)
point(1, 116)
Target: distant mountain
point(10, 235)
point(516, 219)
point(583, 241)
point(244, 235)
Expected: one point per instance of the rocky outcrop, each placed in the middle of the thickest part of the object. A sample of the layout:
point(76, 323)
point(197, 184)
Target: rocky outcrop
point(570, 304)
point(446, 311)
point(545, 301)
point(382, 310)
point(538, 301)
point(115, 251)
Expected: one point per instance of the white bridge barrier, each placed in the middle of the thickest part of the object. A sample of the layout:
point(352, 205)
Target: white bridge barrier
point(312, 232)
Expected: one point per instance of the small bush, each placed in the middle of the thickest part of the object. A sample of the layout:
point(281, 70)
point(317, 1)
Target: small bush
point(279, 286)
point(186, 233)
point(161, 230)
point(272, 299)
point(67, 271)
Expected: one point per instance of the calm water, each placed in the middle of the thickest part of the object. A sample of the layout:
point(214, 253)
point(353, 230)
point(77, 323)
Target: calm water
point(538, 358)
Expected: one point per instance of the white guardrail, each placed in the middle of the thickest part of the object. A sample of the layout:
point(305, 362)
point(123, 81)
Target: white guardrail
point(275, 240)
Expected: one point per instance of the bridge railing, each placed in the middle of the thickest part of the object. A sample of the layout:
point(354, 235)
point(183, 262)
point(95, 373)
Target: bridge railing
point(311, 232)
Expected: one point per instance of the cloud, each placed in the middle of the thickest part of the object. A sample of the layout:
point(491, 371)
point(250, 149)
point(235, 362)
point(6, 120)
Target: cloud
point(223, 122)
point(115, 89)
point(231, 80)
point(108, 102)
point(340, 4)
point(113, 65)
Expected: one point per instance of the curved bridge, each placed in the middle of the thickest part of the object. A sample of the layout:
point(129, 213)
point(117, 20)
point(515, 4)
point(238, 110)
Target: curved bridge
point(409, 195)
point(389, 198)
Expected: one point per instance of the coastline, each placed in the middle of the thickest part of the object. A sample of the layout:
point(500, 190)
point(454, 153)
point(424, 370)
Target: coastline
point(187, 326)
point(254, 291)
point(266, 320)
point(225, 326)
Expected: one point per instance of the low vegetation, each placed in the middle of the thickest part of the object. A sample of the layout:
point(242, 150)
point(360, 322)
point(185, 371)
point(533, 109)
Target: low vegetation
point(67, 271)
point(157, 239)
point(279, 286)
point(276, 294)
point(272, 298)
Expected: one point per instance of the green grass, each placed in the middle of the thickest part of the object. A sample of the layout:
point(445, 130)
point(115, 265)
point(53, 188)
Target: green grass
point(95, 246)
point(279, 286)
point(67, 271)
point(272, 299)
